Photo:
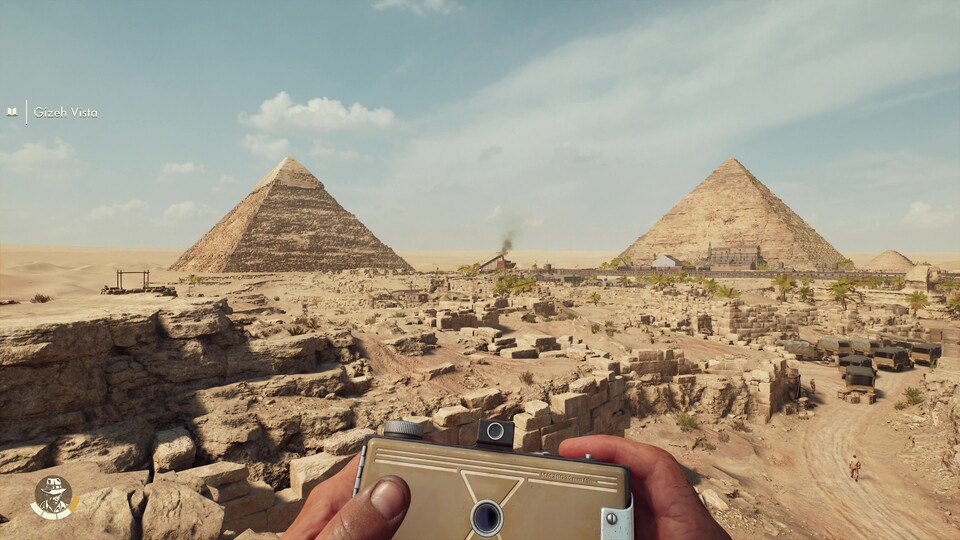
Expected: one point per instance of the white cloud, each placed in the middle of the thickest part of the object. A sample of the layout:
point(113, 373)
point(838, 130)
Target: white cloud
point(495, 213)
point(185, 210)
point(320, 150)
point(224, 180)
point(420, 7)
point(925, 216)
point(181, 168)
point(319, 114)
point(39, 159)
point(266, 146)
point(171, 170)
point(111, 211)
point(637, 111)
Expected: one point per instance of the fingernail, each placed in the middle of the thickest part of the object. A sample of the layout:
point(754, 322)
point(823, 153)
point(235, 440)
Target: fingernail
point(387, 498)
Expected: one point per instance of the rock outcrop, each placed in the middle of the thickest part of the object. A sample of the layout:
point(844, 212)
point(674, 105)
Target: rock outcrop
point(732, 208)
point(95, 387)
point(289, 223)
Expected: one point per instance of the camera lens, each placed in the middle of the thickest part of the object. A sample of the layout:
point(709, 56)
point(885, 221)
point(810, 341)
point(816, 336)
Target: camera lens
point(495, 431)
point(486, 519)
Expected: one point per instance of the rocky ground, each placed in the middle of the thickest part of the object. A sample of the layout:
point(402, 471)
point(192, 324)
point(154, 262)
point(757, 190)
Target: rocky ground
point(265, 370)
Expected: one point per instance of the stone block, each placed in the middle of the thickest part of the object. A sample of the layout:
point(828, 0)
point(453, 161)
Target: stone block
point(446, 435)
point(583, 385)
point(307, 472)
point(526, 441)
point(559, 425)
point(173, 450)
point(454, 416)
point(597, 399)
point(484, 399)
point(286, 506)
point(468, 434)
point(258, 499)
point(569, 404)
point(226, 492)
point(528, 422)
point(435, 371)
point(256, 522)
point(537, 408)
point(520, 353)
point(489, 333)
point(346, 443)
point(551, 441)
point(605, 364)
point(221, 472)
point(617, 386)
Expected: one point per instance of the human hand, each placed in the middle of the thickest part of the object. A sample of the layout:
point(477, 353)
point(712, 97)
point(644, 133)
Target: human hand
point(664, 503)
point(331, 513)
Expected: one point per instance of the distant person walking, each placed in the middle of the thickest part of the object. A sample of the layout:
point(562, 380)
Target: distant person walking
point(855, 468)
point(813, 386)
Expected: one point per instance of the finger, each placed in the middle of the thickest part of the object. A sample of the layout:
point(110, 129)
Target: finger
point(374, 514)
point(323, 503)
point(658, 476)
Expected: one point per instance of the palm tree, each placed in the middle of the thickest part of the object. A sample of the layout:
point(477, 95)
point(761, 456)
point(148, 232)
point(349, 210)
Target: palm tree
point(953, 304)
point(681, 276)
point(842, 291)
point(661, 280)
point(724, 291)
point(595, 298)
point(916, 301)
point(783, 283)
point(806, 293)
point(624, 281)
point(711, 285)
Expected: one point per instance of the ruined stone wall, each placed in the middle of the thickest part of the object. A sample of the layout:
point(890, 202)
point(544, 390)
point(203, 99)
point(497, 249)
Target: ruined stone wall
point(750, 322)
point(66, 375)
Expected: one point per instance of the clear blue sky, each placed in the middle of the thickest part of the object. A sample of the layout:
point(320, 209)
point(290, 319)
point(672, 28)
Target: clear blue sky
point(445, 124)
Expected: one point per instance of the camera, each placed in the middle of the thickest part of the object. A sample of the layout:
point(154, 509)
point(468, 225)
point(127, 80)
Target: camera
point(490, 491)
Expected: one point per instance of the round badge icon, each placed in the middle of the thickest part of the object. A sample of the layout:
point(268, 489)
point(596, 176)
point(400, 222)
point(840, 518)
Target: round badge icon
point(53, 498)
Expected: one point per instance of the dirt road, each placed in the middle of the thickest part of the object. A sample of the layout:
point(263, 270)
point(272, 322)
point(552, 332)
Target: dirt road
point(885, 503)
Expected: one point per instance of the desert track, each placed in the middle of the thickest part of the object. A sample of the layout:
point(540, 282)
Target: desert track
point(884, 503)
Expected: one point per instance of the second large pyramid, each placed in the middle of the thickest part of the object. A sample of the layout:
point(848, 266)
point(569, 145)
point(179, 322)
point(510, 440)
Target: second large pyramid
point(289, 223)
point(732, 208)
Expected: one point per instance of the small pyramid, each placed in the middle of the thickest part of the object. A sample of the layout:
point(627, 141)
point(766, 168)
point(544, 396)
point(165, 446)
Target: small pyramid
point(732, 208)
point(289, 223)
point(888, 261)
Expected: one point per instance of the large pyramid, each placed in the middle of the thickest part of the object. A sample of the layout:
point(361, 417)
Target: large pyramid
point(288, 223)
point(732, 208)
point(889, 261)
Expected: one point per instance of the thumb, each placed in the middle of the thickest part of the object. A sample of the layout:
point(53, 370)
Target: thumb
point(374, 514)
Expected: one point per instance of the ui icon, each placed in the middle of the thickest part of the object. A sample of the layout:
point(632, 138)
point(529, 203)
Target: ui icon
point(11, 111)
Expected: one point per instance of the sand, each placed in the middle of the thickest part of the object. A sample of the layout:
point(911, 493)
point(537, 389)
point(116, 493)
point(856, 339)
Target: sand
point(66, 271)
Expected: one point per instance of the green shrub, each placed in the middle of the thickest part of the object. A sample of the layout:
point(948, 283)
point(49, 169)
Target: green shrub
point(686, 422)
point(913, 395)
point(528, 318)
point(296, 330)
point(900, 405)
point(741, 426)
point(399, 314)
point(526, 378)
point(40, 298)
point(595, 328)
point(723, 436)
